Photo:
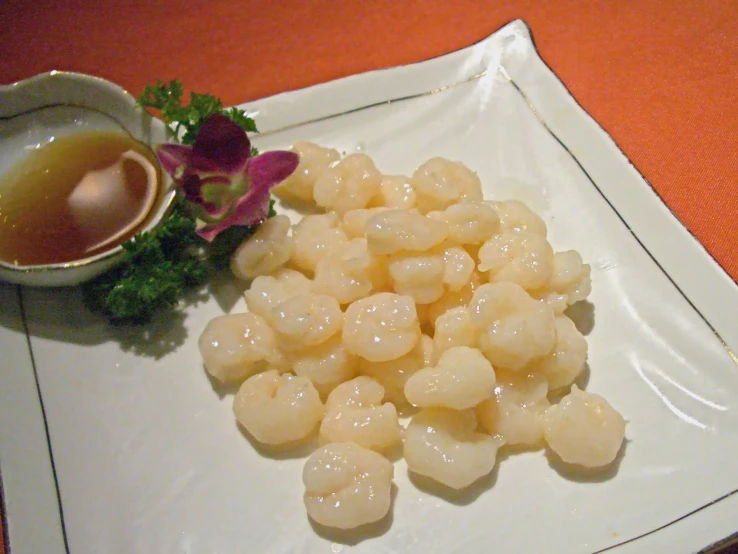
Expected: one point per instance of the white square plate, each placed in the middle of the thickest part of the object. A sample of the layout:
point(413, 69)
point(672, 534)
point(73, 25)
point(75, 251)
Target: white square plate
point(147, 457)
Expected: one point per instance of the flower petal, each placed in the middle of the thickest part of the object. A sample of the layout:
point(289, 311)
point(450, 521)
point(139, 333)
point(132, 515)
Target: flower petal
point(173, 156)
point(271, 168)
point(264, 171)
point(250, 210)
point(190, 186)
point(209, 194)
point(220, 146)
point(215, 193)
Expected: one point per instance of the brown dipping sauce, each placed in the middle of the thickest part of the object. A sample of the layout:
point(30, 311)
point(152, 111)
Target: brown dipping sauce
point(78, 196)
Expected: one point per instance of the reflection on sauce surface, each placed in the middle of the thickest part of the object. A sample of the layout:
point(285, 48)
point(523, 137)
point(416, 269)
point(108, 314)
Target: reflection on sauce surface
point(78, 196)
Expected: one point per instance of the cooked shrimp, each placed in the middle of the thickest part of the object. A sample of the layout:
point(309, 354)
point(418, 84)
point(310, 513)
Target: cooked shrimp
point(238, 345)
point(443, 444)
point(268, 249)
point(516, 410)
point(267, 291)
point(395, 192)
point(451, 299)
point(355, 413)
point(314, 160)
point(315, 237)
point(461, 379)
point(307, 319)
point(346, 485)
point(517, 257)
point(393, 375)
point(326, 365)
point(516, 216)
point(392, 231)
point(454, 328)
point(565, 362)
point(350, 273)
point(471, 222)
point(348, 185)
point(570, 276)
point(382, 327)
point(584, 429)
point(419, 276)
point(277, 409)
point(513, 327)
point(439, 182)
point(354, 222)
point(458, 268)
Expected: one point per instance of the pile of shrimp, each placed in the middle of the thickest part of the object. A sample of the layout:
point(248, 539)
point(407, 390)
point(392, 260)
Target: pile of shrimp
point(412, 295)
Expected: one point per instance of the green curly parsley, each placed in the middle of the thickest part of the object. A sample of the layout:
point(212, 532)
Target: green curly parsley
point(183, 121)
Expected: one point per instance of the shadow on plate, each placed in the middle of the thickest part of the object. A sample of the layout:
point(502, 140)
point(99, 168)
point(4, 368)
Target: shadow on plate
point(352, 537)
point(394, 454)
point(226, 290)
point(10, 316)
point(157, 338)
point(63, 314)
point(464, 496)
point(405, 410)
point(582, 379)
point(582, 313)
point(581, 382)
point(291, 451)
point(580, 474)
point(301, 207)
point(219, 387)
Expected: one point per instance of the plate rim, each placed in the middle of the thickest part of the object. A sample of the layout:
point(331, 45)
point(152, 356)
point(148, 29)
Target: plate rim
point(517, 25)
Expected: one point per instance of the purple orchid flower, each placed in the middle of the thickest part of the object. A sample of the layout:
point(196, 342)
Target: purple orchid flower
point(224, 185)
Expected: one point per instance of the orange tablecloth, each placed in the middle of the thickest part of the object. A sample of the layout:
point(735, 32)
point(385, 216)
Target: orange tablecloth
point(659, 75)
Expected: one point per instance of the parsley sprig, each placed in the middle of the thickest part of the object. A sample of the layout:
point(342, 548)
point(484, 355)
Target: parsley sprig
point(161, 266)
point(183, 121)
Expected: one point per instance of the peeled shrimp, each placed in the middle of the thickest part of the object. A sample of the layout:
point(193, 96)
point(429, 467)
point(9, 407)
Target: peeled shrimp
point(326, 365)
point(277, 409)
point(517, 257)
point(461, 379)
point(238, 345)
point(516, 410)
point(307, 319)
point(267, 291)
point(346, 485)
point(315, 237)
point(382, 327)
point(314, 160)
point(392, 231)
point(516, 216)
point(443, 444)
point(268, 249)
point(393, 375)
point(513, 327)
point(439, 182)
point(355, 413)
point(566, 360)
point(348, 185)
point(584, 429)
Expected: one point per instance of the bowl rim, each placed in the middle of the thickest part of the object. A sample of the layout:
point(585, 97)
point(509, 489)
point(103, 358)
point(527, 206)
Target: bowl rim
point(168, 196)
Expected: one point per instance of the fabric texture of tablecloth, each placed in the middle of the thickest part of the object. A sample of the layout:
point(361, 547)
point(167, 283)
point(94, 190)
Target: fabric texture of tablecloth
point(660, 76)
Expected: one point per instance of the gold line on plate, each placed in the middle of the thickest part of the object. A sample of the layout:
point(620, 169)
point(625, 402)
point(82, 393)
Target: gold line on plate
point(538, 116)
point(374, 105)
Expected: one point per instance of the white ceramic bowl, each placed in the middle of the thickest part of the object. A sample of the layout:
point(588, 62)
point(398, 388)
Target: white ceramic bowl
point(52, 105)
